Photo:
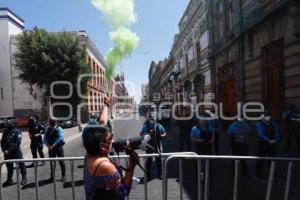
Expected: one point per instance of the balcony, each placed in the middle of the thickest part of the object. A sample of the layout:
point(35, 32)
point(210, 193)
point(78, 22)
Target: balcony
point(255, 11)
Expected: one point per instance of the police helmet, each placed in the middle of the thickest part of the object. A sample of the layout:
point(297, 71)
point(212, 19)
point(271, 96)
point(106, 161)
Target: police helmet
point(52, 122)
point(31, 121)
point(11, 122)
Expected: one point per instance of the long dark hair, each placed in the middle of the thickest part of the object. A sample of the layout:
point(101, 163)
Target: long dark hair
point(95, 136)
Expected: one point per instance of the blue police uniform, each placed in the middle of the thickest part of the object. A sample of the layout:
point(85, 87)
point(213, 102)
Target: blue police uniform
point(36, 144)
point(267, 131)
point(185, 127)
point(216, 126)
point(292, 128)
point(156, 131)
point(205, 133)
point(11, 141)
point(54, 136)
point(239, 132)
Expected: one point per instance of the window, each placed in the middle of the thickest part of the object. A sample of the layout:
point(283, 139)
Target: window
point(219, 19)
point(2, 93)
point(91, 101)
point(95, 104)
point(229, 17)
point(99, 103)
point(198, 49)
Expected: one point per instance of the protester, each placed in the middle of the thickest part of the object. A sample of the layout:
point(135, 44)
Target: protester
point(102, 179)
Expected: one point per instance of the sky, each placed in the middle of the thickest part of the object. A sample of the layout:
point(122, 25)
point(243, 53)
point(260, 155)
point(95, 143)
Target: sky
point(156, 26)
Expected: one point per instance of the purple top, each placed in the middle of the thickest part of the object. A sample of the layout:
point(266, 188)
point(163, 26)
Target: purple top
point(94, 183)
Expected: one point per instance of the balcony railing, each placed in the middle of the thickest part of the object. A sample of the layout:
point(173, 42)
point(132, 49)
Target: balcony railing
point(255, 11)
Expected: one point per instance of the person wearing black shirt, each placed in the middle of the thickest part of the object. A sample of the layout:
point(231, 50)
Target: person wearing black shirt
point(35, 134)
point(10, 146)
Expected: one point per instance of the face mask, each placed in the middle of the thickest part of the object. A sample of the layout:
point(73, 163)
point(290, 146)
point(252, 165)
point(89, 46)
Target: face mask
point(109, 146)
point(267, 118)
point(151, 124)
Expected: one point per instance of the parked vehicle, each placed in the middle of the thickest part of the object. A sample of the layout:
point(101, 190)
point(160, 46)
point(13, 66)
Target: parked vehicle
point(68, 123)
point(22, 121)
point(3, 120)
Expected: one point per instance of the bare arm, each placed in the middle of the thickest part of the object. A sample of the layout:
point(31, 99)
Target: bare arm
point(109, 168)
point(104, 115)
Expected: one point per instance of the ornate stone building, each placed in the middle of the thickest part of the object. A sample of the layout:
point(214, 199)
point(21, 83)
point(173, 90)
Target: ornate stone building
point(190, 52)
point(255, 51)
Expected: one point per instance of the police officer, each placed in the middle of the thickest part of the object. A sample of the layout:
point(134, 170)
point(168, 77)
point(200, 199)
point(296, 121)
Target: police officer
point(268, 134)
point(203, 137)
point(54, 140)
point(239, 132)
point(185, 125)
point(156, 131)
point(10, 146)
point(292, 119)
point(216, 127)
point(93, 120)
point(35, 134)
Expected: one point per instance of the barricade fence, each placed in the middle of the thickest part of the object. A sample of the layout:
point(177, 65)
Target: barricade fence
point(203, 192)
point(17, 162)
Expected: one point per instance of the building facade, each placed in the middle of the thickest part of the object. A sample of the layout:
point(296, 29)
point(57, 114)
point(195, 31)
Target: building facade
point(123, 102)
point(97, 86)
point(255, 50)
point(145, 93)
point(19, 99)
point(16, 98)
point(190, 52)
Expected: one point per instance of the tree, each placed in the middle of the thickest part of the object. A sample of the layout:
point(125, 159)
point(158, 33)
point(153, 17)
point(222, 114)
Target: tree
point(44, 57)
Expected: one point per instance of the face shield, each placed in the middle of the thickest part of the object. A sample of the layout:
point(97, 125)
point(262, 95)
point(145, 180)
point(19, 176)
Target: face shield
point(151, 123)
point(93, 119)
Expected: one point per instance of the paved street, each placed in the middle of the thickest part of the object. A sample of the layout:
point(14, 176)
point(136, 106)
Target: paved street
point(74, 148)
point(221, 178)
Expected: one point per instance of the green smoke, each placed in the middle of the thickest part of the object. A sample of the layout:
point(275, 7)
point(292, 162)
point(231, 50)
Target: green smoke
point(125, 42)
point(119, 15)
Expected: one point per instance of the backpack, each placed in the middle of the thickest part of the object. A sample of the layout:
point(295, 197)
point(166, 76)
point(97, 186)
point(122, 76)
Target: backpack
point(241, 136)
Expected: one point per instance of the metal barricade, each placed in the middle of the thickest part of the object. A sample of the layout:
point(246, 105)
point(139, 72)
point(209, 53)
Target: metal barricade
point(236, 159)
point(72, 160)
